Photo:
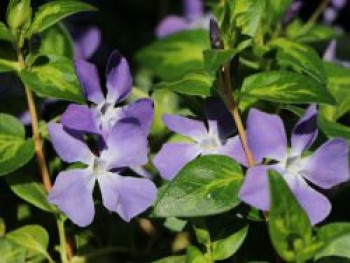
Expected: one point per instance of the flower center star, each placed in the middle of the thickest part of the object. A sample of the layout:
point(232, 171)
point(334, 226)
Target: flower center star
point(108, 115)
point(210, 144)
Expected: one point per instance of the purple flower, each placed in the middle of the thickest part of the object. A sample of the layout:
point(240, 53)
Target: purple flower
point(211, 137)
point(331, 54)
point(86, 41)
point(292, 12)
point(100, 117)
point(128, 196)
point(325, 168)
point(193, 18)
point(331, 13)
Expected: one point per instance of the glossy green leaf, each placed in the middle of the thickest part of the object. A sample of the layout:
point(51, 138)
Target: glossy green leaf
point(172, 259)
point(32, 237)
point(336, 239)
point(196, 83)
point(214, 58)
point(289, 227)
point(194, 255)
point(54, 11)
point(339, 86)
point(226, 247)
point(25, 186)
point(202, 235)
point(5, 33)
point(206, 186)
point(174, 56)
point(284, 86)
point(53, 77)
point(56, 41)
point(8, 65)
point(334, 129)
point(300, 58)
point(175, 224)
point(11, 253)
point(15, 151)
point(277, 9)
point(248, 15)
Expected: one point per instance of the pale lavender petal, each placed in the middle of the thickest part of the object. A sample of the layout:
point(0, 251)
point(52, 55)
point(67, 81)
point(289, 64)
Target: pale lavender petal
point(329, 15)
point(194, 129)
point(255, 188)
point(126, 145)
point(173, 157)
point(328, 165)
point(69, 148)
point(339, 4)
point(193, 9)
point(143, 110)
point(108, 183)
point(89, 80)
point(266, 136)
point(233, 148)
point(305, 131)
point(135, 196)
point(330, 53)
point(86, 42)
point(141, 171)
point(72, 193)
point(170, 25)
point(316, 205)
point(119, 80)
point(80, 118)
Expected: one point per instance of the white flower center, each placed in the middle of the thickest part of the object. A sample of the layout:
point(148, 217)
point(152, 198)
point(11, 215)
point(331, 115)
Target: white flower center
point(108, 115)
point(293, 164)
point(99, 166)
point(209, 144)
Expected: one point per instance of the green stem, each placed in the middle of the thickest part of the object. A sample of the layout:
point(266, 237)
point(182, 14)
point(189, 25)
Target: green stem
point(63, 240)
point(314, 17)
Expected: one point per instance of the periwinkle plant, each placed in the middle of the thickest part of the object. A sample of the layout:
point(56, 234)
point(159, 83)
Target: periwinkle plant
point(246, 75)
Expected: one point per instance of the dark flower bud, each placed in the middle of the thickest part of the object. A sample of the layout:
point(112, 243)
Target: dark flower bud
point(215, 38)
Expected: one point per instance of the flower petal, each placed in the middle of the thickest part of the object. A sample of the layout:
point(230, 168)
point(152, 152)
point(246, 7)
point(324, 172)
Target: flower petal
point(266, 136)
point(315, 204)
point(172, 157)
point(143, 110)
point(255, 188)
point(193, 9)
point(305, 131)
point(170, 25)
point(233, 148)
point(119, 80)
point(328, 165)
point(126, 145)
point(72, 193)
point(185, 126)
point(86, 42)
point(69, 148)
point(89, 80)
point(135, 196)
point(108, 183)
point(80, 118)
point(330, 53)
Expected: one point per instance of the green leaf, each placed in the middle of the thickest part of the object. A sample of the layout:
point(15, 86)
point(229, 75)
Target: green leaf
point(339, 86)
point(333, 129)
point(214, 58)
point(15, 151)
point(206, 186)
point(11, 253)
point(277, 9)
point(8, 65)
point(300, 58)
point(195, 83)
point(289, 227)
point(175, 224)
point(172, 259)
point(56, 41)
point(194, 255)
point(336, 239)
point(32, 237)
point(284, 86)
point(54, 11)
point(202, 235)
point(248, 15)
point(53, 77)
point(173, 56)
point(225, 248)
point(24, 185)
point(5, 33)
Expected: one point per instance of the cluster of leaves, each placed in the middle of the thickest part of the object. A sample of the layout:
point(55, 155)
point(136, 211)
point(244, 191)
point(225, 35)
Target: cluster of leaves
point(274, 66)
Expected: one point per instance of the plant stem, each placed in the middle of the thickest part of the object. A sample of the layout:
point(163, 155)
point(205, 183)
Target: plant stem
point(38, 144)
point(314, 17)
point(233, 109)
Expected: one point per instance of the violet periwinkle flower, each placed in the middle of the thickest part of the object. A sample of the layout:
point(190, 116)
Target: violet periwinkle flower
point(331, 13)
point(210, 137)
point(86, 41)
point(192, 18)
point(128, 196)
point(331, 55)
point(100, 117)
point(326, 167)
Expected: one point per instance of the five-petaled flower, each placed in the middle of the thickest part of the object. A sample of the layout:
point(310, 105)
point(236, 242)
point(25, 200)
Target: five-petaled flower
point(128, 196)
point(211, 137)
point(326, 167)
point(193, 18)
